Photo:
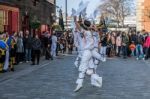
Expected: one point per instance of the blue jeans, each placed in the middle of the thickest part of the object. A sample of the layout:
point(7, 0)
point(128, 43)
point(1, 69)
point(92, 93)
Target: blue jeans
point(139, 51)
point(28, 54)
point(124, 50)
point(132, 53)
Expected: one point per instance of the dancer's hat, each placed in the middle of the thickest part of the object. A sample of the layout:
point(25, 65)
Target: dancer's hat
point(86, 24)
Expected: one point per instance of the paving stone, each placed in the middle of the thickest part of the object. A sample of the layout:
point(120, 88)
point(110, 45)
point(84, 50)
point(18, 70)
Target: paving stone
point(122, 79)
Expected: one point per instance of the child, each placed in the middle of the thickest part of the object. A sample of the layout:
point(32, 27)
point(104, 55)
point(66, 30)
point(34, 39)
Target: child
point(132, 48)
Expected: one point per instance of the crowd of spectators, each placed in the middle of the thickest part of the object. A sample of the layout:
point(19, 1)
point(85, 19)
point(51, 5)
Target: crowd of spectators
point(133, 44)
point(26, 48)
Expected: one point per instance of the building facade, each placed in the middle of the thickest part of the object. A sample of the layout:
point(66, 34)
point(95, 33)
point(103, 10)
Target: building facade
point(18, 15)
point(143, 15)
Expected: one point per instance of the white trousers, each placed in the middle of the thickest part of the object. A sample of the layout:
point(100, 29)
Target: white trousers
point(87, 64)
point(78, 59)
point(53, 50)
point(97, 57)
point(103, 51)
point(86, 56)
point(6, 64)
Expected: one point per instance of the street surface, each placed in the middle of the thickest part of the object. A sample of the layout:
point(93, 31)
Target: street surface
point(122, 79)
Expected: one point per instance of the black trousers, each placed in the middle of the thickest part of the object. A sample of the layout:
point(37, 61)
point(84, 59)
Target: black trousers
point(48, 56)
point(108, 51)
point(147, 52)
point(36, 56)
point(125, 51)
point(19, 57)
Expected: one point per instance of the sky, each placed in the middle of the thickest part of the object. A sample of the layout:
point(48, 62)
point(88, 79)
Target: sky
point(74, 4)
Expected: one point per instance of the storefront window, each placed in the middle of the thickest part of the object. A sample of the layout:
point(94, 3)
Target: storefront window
point(9, 19)
point(3, 19)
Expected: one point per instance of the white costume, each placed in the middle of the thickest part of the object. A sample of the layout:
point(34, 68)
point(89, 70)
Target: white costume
point(6, 64)
point(95, 50)
point(54, 46)
point(87, 63)
point(78, 41)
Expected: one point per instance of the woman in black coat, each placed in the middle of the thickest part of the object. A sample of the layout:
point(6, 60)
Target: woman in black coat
point(36, 50)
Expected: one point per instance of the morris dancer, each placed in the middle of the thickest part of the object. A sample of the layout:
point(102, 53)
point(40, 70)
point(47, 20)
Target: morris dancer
point(87, 58)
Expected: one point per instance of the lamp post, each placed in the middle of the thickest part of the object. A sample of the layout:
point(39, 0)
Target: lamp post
point(66, 3)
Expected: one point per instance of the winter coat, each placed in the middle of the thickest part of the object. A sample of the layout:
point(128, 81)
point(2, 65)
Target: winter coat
point(20, 46)
point(140, 39)
point(134, 37)
point(125, 40)
point(104, 41)
point(147, 42)
point(27, 43)
point(36, 44)
point(118, 41)
point(113, 40)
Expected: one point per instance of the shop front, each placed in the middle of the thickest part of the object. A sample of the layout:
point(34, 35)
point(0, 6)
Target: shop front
point(9, 18)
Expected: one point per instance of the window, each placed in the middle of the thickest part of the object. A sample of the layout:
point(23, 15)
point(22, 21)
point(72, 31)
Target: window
point(3, 19)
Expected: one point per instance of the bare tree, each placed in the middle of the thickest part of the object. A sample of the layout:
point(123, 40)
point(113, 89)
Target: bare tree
point(117, 10)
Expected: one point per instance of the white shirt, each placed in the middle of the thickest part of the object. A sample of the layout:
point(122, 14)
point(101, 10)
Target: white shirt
point(88, 41)
point(54, 40)
point(96, 39)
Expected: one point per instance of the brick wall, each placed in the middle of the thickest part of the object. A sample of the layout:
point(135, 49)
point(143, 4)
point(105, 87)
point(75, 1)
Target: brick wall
point(143, 15)
point(146, 15)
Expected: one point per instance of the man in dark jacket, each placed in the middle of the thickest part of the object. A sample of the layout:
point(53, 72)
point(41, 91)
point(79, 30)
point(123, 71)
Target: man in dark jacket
point(27, 46)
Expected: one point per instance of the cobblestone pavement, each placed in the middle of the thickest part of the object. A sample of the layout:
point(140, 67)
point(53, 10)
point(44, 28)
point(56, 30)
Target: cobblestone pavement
point(122, 79)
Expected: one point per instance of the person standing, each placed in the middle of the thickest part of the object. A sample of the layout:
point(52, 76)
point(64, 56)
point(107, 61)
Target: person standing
point(27, 46)
point(113, 41)
point(147, 46)
point(139, 46)
point(125, 41)
point(70, 43)
point(54, 45)
point(48, 47)
point(2, 53)
point(36, 49)
point(118, 44)
point(7, 39)
point(103, 46)
point(132, 48)
point(12, 54)
point(20, 47)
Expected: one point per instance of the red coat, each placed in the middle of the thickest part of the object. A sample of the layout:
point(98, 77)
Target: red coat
point(147, 42)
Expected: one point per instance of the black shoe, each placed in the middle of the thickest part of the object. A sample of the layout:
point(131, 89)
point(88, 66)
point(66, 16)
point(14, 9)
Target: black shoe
point(15, 64)
point(33, 64)
point(146, 58)
point(12, 69)
point(124, 57)
point(4, 71)
point(47, 58)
